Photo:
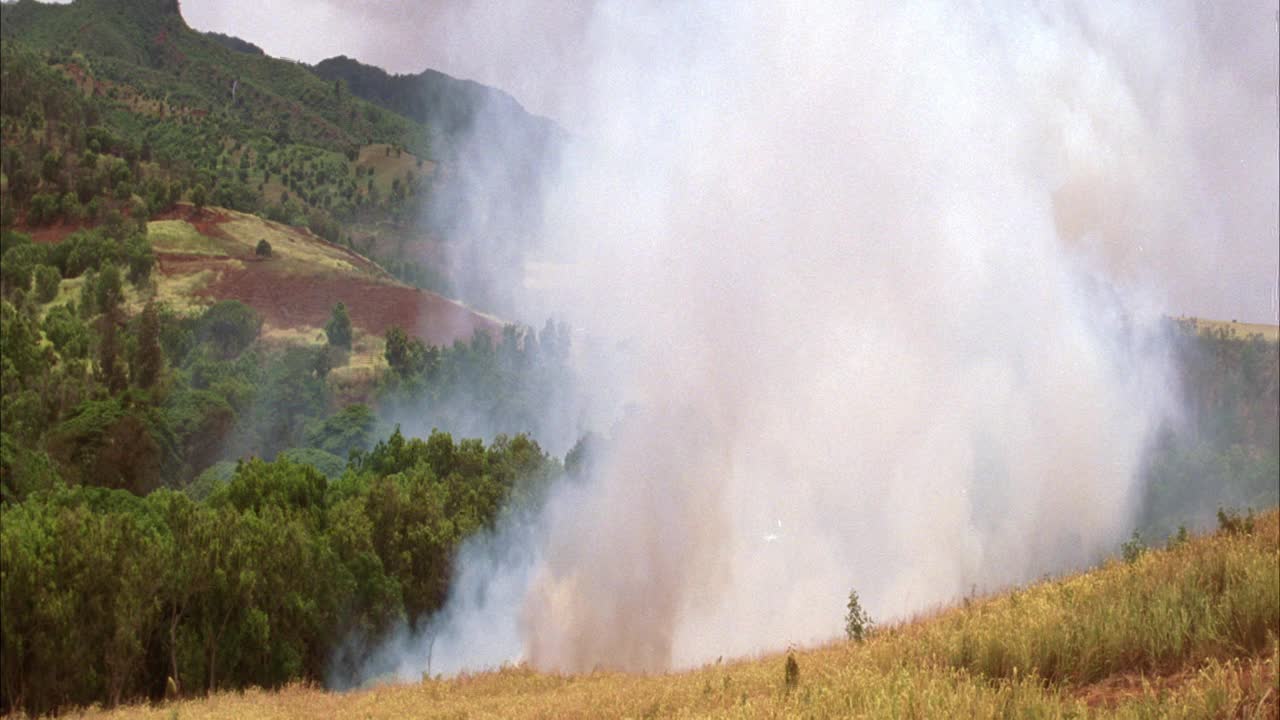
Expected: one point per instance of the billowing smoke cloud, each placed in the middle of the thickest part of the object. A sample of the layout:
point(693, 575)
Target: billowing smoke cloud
point(884, 282)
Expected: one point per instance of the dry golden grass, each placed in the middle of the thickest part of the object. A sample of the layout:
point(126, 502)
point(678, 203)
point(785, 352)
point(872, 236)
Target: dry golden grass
point(298, 249)
point(1270, 333)
point(908, 670)
point(180, 236)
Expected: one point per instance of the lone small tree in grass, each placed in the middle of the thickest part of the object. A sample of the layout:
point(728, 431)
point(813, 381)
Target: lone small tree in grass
point(857, 623)
point(338, 330)
point(264, 249)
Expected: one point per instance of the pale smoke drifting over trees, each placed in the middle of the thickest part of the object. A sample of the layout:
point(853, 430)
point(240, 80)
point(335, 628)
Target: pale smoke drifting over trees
point(884, 285)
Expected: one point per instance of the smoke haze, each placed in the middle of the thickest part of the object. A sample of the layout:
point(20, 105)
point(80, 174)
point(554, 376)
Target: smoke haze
point(883, 284)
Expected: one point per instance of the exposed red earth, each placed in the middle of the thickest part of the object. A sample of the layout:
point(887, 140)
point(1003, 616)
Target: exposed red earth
point(288, 298)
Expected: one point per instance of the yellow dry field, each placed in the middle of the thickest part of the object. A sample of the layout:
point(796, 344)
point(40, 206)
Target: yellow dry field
point(180, 236)
point(1184, 632)
point(1270, 333)
point(298, 247)
point(180, 292)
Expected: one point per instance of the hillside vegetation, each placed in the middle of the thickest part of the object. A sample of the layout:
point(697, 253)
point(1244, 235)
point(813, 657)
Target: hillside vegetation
point(1184, 632)
point(118, 104)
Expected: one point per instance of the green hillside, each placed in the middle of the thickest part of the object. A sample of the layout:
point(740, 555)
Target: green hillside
point(183, 109)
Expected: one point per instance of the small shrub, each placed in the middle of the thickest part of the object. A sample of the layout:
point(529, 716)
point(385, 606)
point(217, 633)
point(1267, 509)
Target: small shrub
point(1179, 538)
point(263, 250)
point(1233, 523)
point(1133, 548)
point(857, 623)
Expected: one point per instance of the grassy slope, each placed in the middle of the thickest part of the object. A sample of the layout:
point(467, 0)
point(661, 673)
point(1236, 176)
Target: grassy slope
point(1270, 333)
point(1185, 632)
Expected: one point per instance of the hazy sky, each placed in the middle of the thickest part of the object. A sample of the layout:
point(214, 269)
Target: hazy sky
point(1207, 88)
point(1201, 96)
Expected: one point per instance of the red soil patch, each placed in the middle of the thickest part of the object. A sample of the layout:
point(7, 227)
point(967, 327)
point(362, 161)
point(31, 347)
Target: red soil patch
point(306, 301)
point(52, 234)
point(289, 300)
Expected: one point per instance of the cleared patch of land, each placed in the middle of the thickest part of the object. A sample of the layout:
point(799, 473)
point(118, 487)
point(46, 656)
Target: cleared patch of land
point(208, 254)
point(1185, 632)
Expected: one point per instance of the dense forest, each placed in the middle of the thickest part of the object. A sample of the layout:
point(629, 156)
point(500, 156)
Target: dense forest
point(186, 506)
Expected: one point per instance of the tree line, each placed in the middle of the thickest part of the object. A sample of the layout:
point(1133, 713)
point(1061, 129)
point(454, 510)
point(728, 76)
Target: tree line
point(110, 596)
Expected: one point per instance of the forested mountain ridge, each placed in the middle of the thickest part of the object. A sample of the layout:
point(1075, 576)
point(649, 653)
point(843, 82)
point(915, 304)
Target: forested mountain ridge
point(450, 106)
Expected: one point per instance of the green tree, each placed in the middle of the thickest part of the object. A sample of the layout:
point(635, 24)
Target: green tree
point(338, 329)
point(199, 195)
point(47, 280)
point(263, 249)
point(108, 290)
point(110, 371)
point(857, 623)
point(351, 429)
point(406, 355)
point(230, 325)
point(139, 258)
point(67, 332)
point(148, 357)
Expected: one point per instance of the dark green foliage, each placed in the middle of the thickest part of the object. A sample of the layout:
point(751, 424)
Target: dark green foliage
point(1133, 548)
point(110, 370)
point(201, 422)
point(67, 332)
point(263, 249)
point(24, 471)
point(138, 258)
point(47, 281)
point(109, 444)
point(1233, 523)
point(148, 358)
point(338, 329)
point(258, 583)
point(199, 196)
point(230, 326)
point(326, 463)
point(108, 290)
point(19, 348)
point(354, 428)
point(18, 264)
point(407, 356)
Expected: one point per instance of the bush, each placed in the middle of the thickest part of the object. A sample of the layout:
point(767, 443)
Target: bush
point(263, 250)
point(1133, 548)
point(1233, 523)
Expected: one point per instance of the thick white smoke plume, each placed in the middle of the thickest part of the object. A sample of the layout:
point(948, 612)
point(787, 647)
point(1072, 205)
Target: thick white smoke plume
point(877, 276)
